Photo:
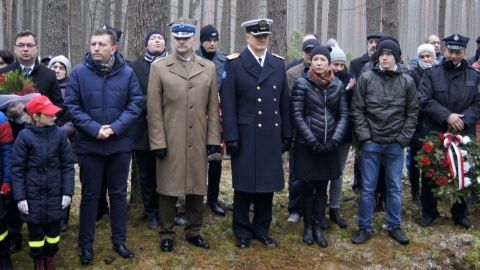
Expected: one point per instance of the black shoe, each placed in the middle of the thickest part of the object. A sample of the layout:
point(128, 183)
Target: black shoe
point(180, 221)
point(266, 241)
point(426, 220)
point(399, 236)
point(361, 236)
point(64, 225)
point(87, 256)
point(307, 236)
point(416, 199)
point(198, 242)
point(216, 209)
point(123, 251)
point(152, 223)
point(335, 218)
point(323, 223)
point(166, 245)
point(243, 242)
point(464, 222)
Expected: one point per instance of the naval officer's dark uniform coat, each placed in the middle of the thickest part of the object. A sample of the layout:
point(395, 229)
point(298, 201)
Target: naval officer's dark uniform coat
point(255, 105)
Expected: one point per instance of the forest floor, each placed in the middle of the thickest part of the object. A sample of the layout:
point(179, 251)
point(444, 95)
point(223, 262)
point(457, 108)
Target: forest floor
point(440, 246)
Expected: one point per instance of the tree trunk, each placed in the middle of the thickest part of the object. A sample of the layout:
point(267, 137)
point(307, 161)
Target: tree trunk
point(14, 20)
point(215, 14)
point(179, 9)
point(57, 31)
point(192, 7)
point(37, 16)
point(243, 13)
point(77, 46)
point(310, 16)
point(332, 19)
point(374, 12)
point(202, 15)
point(225, 31)
point(107, 8)
point(27, 18)
point(7, 43)
point(319, 19)
point(441, 18)
point(390, 17)
point(118, 14)
point(277, 11)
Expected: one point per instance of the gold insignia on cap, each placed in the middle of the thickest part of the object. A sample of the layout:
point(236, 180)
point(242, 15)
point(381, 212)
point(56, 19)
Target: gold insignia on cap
point(455, 37)
point(262, 23)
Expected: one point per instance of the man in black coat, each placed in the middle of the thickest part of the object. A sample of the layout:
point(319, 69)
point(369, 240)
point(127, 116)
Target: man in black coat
point(357, 64)
point(26, 52)
point(449, 97)
point(257, 129)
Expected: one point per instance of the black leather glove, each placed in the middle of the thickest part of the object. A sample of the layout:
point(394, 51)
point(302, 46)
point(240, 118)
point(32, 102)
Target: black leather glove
point(213, 149)
point(286, 143)
point(319, 149)
point(160, 153)
point(232, 148)
point(331, 145)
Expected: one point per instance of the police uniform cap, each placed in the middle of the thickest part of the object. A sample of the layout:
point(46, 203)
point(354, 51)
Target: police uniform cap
point(183, 27)
point(456, 42)
point(257, 26)
point(118, 33)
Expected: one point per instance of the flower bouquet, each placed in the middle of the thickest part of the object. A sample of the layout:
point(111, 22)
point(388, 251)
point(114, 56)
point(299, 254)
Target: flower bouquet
point(14, 87)
point(452, 162)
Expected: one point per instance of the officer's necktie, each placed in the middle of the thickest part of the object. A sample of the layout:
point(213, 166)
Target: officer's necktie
point(260, 60)
point(27, 71)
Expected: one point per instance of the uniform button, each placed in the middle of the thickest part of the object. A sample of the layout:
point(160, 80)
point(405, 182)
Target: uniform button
point(274, 100)
point(191, 106)
point(190, 126)
point(190, 86)
point(259, 100)
point(258, 87)
point(189, 146)
point(276, 124)
point(260, 112)
point(259, 125)
point(274, 87)
point(276, 112)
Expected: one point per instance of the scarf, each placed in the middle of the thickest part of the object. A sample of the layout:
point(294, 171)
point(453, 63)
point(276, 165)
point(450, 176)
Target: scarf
point(103, 69)
point(206, 54)
point(150, 57)
point(322, 81)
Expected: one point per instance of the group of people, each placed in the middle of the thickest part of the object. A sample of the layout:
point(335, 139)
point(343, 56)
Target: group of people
point(173, 110)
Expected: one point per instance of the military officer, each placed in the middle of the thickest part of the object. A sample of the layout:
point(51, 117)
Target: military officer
point(256, 124)
point(182, 91)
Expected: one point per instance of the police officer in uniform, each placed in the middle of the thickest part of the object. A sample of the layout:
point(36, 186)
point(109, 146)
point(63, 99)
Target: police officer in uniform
point(256, 124)
point(449, 97)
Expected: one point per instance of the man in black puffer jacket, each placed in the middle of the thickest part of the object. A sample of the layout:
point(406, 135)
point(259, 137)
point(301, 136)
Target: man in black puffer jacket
point(384, 112)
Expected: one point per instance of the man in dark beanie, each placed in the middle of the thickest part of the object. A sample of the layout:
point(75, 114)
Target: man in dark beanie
point(209, 50)
point(384, 112)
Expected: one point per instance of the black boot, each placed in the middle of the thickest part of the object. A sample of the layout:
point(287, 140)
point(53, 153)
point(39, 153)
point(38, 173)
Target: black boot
point(50, 263)
point(319, 214)
point(307, 209)
point(5, 262)
point(335, 218)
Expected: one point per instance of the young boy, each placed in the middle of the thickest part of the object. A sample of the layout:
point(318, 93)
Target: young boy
point(6, 142)
point(43, 180)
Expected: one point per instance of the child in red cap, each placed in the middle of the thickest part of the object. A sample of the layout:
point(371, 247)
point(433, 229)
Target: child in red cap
point(43, 180)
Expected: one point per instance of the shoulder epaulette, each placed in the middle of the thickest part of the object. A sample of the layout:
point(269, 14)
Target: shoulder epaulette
point(278, 56)
point(233, 56)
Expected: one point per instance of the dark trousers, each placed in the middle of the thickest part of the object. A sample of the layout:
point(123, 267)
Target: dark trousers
point(294, 188)
point(146, 162)
point(214, 174)
point(414, 171)
point(262, 214)
point(193, 211)
point(4, 243)
point(429, 202)
point(102, 200)
point(92, 168)
point(43, 239)
point(381, 185)
point(315, 189)
point(14, 223)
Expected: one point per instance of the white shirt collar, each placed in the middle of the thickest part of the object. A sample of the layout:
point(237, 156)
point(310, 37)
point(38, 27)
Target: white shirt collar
point(256, 57)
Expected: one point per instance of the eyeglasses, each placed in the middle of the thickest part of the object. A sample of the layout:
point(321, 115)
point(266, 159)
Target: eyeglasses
point(29, 45)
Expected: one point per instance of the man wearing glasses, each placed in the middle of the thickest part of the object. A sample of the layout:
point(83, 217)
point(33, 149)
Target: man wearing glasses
point(26, 52)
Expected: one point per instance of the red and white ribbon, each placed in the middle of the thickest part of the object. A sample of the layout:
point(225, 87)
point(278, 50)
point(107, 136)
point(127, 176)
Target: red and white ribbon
point(452, 143)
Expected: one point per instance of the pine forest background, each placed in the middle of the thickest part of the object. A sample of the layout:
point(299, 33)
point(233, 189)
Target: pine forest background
point(64, 26)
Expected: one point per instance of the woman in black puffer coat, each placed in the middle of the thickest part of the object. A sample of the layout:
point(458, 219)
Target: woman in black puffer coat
point(320, 117)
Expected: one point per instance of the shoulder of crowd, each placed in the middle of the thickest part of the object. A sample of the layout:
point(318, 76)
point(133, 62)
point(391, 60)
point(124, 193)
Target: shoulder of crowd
point(278, 56)
point(233, 56)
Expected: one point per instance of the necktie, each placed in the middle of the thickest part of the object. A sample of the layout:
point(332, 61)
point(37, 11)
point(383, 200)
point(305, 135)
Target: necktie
point(27, 71)
point(260, 60)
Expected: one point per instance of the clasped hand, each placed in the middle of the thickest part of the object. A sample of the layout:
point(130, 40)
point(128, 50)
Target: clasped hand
point(105, 132)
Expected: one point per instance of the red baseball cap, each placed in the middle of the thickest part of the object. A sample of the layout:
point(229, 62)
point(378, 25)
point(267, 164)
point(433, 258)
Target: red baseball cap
point(41, 104)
